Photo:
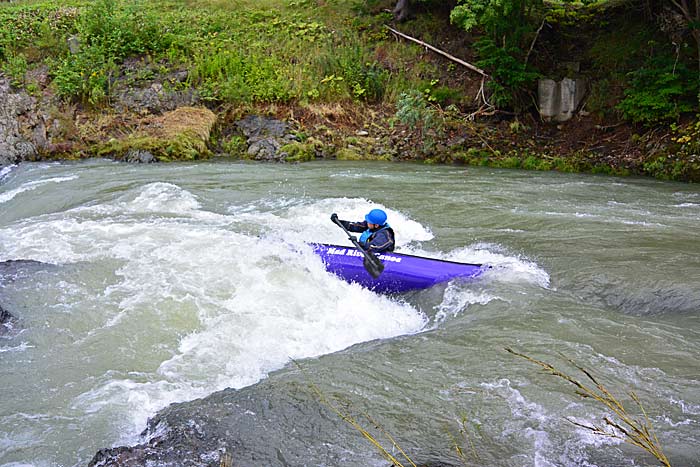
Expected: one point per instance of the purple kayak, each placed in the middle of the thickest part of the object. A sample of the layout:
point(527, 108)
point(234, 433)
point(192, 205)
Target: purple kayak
point(401, 272)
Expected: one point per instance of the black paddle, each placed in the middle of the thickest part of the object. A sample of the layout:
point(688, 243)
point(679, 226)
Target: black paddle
point(372, 264)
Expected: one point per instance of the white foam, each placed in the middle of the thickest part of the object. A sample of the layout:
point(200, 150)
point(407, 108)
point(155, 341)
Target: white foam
point(9, 195)
point(457, 299)
point(4, 171)
point(216, 306)
point(533, 422)
point(686, 408)
point(300, 219)
point(18, 348)
point(229, 307)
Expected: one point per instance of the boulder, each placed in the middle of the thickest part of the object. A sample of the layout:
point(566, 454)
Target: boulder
point(6, 321)
point(266, 137)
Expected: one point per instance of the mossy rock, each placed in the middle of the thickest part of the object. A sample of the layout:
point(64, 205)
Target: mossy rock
point(299, 152)
point(349, 154)
point(178, 135)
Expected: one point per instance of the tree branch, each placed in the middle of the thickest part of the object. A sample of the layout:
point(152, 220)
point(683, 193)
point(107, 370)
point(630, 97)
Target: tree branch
point(532, 45)
point(441, 52)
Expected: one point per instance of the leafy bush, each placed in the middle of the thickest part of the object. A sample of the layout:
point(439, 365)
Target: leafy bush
point(512, 79)
point(43, 26)
point(15, 67)
point(109, 31)
point(360, 78)
point(121, 29)
point(412, 109)
point(507, 20)
point(231, 75)
point(84, 76)
point(659, 92)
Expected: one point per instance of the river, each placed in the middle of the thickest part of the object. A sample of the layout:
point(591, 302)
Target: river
point(162, 283)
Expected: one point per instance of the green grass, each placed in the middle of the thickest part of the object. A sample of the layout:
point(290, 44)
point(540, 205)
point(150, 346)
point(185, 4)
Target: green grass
point(236, 52)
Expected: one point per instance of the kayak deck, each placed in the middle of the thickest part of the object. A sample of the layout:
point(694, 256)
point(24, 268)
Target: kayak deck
point(401, 273)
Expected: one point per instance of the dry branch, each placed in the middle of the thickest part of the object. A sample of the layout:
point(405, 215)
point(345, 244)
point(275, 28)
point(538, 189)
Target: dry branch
point(441, 52)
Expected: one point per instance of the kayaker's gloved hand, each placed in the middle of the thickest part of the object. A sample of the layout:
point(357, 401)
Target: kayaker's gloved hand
point(334, 217)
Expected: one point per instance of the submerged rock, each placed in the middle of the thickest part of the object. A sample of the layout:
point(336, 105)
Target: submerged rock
point(11, 271)
point(14, 268)
point(273, 423)
point(6, 321)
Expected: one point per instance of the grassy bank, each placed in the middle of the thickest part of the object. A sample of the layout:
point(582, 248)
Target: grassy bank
point(334, 70)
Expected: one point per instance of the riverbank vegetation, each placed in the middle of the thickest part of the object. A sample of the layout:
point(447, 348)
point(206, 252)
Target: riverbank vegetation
point(351, 85)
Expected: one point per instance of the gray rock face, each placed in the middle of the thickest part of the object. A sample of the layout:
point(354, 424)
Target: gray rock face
point(559, 100)
point(255, 126)
point(14, 147)
point(265, 137)
point(153, 99)
point(151, 95)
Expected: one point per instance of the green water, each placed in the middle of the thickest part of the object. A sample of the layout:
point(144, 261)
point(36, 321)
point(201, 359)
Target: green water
point(163, 283)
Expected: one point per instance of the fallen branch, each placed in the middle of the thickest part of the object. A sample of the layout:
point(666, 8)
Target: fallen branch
point(532, 45)
point(441, 52)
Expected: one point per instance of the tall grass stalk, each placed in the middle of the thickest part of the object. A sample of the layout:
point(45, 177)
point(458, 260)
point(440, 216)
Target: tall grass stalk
point(352, 421)
point(347, 417)
point(635, 431)
point(467, 439)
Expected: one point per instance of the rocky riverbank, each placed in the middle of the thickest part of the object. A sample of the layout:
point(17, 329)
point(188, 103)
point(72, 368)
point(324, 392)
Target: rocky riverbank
point(149, 122)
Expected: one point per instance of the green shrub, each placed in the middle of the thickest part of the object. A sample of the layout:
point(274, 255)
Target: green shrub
point(234, 76)
point(234, 146)
point(353, 74)
point(412, 109)
point(122, 28)
point(84, 77)
point(15, 68)
point(660, 92)
point(511, 79)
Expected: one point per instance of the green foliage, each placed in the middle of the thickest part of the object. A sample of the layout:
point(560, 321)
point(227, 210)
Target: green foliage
point(659, 92)
point(235, 146)
point(122, 28)
point(512, 79)
point(84, 76)
point(413, 109)
point(44, 26)
point(502, 19)
point(350, 72)
point(299, 152)
point(238, 76)
point(682, 158)
point(15, 67)
point(108, 31)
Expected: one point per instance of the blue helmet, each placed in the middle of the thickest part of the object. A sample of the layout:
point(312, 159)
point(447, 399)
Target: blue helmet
point(376, 216)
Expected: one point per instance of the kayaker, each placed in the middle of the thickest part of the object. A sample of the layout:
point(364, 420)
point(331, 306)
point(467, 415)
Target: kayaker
point(377, 235)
